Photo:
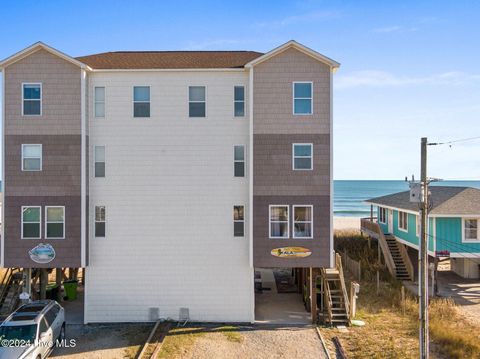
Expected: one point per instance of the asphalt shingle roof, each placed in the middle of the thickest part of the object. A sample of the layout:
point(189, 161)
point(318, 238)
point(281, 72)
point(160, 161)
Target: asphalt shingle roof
point(169, 59)
point(445, 200)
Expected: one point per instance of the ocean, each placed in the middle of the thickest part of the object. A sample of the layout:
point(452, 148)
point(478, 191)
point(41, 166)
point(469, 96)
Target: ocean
point(349, 195)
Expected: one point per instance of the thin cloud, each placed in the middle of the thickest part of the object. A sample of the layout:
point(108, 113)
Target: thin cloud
point(394, 28)
point(295, 19)
point(375, 78)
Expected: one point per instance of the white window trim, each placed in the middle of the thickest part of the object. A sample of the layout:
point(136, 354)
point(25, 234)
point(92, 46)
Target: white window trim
point(239, 220)
point(270, 221)
point(293, 157)
point(244, 102)
point(468, 240)
point(46, 221)
point(41, 156)
point(41, 98)
point(417, 226)
point(188, 102)
point(302, 98)
point(39, 223)
point(406, 222)
point(380, 217)
point(95, 221)
point(95, 160)
point(134, 102)
point(294, 221)
point(104, 102)
point(244, 161)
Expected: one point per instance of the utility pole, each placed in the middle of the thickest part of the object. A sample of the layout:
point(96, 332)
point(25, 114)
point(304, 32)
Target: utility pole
point(423, 256)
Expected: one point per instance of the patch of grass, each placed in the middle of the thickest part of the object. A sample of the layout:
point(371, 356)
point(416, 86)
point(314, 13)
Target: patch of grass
point(179, 340)
point(231, 333)
point(136, 335)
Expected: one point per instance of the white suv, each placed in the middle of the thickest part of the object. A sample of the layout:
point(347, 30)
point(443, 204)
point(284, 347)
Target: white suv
point(32, 330)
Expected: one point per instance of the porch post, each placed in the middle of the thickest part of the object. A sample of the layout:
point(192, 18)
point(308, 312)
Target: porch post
point(313, 295)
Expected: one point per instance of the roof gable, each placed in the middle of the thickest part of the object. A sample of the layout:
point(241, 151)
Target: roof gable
point(34, 48)
point(293, 44)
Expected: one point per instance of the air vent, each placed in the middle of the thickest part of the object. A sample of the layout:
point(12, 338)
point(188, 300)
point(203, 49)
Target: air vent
point(184, 315)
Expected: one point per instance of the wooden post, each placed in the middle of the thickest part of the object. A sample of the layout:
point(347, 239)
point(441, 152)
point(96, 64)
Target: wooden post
point(43, 283)
point(58, 276)
point(313, 295)
point(403, 300)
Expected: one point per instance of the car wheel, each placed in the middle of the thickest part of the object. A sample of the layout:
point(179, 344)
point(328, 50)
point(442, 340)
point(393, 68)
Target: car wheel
point(61, 336)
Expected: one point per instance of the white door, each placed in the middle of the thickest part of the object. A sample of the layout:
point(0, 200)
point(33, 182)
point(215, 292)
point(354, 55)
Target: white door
point(390, 221)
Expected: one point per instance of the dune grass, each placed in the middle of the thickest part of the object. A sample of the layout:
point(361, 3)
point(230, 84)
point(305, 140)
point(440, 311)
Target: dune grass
point(391, 329)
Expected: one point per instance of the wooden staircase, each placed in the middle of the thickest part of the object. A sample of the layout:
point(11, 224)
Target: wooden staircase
point(401, 272)
point(336, 302)
point(10, 288)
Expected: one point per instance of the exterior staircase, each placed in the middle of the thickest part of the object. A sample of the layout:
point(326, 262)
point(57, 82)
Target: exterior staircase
point(401, 272)
point(335, 292)
point(10, 288)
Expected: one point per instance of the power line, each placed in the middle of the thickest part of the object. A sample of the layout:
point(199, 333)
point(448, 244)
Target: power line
point(454, 141)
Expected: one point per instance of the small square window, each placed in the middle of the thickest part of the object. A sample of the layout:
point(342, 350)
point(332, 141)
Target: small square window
point(31, 157)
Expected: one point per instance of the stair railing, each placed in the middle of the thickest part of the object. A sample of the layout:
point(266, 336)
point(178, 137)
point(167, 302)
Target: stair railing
point(406, 260)
point(327, 296)
point(338, 263)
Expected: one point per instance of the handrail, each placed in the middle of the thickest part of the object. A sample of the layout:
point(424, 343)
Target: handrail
point(5, 285)
point(368, 225)
point(406, 260)
point(338, 262)
point(328, 295)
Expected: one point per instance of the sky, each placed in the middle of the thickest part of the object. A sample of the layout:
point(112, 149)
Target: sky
point(409, 69)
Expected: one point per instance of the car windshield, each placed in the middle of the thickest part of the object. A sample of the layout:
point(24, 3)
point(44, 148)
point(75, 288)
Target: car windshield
point(19, 332)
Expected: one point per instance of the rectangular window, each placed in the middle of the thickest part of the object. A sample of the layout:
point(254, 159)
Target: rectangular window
point(239, 101)
point(279, 221)
point(31, 157)
point(302, 156)
point(303, 221)
point(99, 221)
point(32, 99)
point(99, 102)
point(141, 101)
point(197, 105)
point(471, 229)
point(403, 221)
point(238, 221)
point(239, 161)
point(417, 222)
point(55, 222)
point(31, 219)
point(382, 215)
point(302, 98)
point(99, 159)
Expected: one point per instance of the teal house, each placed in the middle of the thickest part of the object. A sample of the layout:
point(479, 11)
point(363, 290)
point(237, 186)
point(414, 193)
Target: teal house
point(453, 225)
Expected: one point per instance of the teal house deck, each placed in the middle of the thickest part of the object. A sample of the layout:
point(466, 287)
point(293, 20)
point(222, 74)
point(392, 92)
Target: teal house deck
point(453, 225)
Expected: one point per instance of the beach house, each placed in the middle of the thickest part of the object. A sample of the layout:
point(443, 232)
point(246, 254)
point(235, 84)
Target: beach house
point(453, 229)
point(168, 176)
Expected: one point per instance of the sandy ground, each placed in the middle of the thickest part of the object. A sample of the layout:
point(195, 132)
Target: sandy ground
point(112, 341)
point(342, 223)
point(260, 343)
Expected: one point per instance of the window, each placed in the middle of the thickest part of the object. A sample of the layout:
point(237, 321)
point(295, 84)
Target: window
point(32, 99)
point(54, 222)
point(31, 219)
point(238, 221)
point(99, 102)
point(43, 327)
point(471, 229)
point(239, 101)
point(403, 221)
point(303, 221)
point(279, 223)
point(302, 156)
point(302, 98)
point(382, 215)
point(99, 154)
point(141, 101)
point(239, 161)
point(196, 101)
point(50, 316)
point(99, 221)
point(417, 228)
point(31, 157)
